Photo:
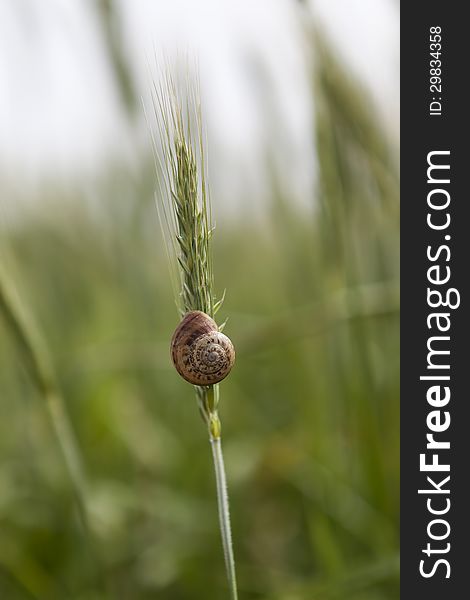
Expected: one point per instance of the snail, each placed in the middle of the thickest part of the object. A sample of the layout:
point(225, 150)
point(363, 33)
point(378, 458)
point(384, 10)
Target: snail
point(200, 352)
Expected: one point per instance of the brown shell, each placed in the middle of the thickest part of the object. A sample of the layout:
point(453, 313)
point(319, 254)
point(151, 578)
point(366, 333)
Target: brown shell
point(201, 354)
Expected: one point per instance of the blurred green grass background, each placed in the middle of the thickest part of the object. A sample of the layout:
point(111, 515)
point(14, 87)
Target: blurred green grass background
point(310, 413)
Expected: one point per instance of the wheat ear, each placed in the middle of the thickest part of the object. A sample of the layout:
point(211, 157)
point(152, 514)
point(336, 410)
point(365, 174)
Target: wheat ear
point(184, 210)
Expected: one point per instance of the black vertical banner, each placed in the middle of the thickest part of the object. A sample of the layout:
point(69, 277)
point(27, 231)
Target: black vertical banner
point(435, 271)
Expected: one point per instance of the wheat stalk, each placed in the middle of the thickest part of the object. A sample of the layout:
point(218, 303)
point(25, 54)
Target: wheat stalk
point(36, 360)
point(185, 215)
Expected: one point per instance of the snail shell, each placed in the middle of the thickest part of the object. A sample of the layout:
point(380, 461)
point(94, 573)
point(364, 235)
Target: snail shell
point(201, 354)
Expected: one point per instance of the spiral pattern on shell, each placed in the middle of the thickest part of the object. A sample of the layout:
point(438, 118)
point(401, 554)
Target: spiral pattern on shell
point(200, 352)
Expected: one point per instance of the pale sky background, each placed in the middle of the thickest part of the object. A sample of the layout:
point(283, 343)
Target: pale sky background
point(61, 115)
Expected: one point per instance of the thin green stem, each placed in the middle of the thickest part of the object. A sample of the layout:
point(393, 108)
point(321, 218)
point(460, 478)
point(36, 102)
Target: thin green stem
point(224, 515)
point(36, 360)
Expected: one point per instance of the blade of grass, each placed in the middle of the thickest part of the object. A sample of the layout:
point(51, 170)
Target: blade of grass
point(35, 357)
